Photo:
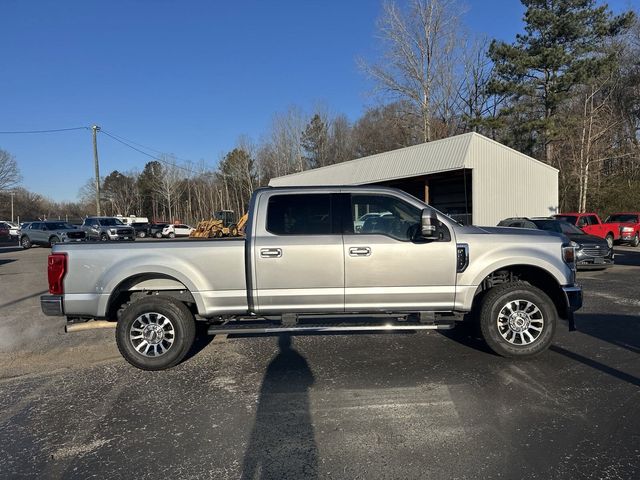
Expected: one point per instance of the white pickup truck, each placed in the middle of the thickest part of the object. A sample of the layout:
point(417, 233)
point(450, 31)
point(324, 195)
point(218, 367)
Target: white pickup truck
point(303, 263)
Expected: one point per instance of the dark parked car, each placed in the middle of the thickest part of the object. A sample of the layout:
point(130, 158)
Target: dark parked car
point(155, 229)
point(141, 229)
point(49, 233)
point(591, 251)
point(4, 231)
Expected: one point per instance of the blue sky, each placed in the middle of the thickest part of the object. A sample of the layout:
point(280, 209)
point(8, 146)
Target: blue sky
point(185, 77)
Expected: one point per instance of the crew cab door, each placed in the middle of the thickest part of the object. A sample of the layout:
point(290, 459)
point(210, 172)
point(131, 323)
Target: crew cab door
point(389, 268)
point(297, 254)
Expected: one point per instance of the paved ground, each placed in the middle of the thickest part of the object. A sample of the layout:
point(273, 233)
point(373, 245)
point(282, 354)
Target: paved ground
point(423, 405)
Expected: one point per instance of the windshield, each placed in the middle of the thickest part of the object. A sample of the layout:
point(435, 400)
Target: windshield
point(572, 219)
point(623, 218)
point(110, 222)
point(558, 226)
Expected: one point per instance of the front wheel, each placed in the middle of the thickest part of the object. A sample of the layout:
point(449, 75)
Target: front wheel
point(609, 239)
point(104, 237)
point(158, 235)
point(155, 333)
point(172, 235)
point(636, 240)
point(142, 234)
point(53, 240)
point(25, 242)
point(517, 320)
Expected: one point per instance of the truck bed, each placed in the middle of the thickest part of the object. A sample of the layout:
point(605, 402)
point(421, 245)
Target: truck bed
point(212, 270)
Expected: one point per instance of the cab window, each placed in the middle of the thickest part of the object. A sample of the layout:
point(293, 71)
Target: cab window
point(383, 215)
point(299, 214)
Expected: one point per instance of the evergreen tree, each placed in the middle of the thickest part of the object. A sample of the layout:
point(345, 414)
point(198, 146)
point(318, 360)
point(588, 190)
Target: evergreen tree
point(315, 142)
point(560, 49)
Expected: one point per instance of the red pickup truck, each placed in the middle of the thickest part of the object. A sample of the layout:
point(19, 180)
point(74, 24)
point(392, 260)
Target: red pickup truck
point(621, 227)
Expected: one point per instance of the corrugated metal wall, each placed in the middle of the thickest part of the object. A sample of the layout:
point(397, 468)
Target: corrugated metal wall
point(507, 183)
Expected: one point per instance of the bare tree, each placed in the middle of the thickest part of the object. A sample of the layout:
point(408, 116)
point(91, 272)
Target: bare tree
point(9, 172)
point(281, 152)
point(169, 184)
point(416, 66)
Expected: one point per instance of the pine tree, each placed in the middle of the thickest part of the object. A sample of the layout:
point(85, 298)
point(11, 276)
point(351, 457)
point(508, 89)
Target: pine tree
point(560, 49)
point(315, 142)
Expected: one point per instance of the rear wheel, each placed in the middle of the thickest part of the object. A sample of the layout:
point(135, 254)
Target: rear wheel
point(158, 235)
point(609, 239)
point(155, 333)
point(53, 240)
point(517, 320)
point(25, 242)
point(636, 240)
point(142, 234)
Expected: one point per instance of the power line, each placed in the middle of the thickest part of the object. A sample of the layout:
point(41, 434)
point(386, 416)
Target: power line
point(161, 160)
point(145, 146)
point(54, 130)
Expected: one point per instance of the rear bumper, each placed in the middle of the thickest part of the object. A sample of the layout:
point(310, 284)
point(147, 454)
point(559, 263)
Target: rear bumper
point(52, 305)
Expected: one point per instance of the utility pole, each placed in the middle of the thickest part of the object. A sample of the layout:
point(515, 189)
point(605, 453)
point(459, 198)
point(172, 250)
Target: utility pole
point(96, 129)
point(13, 194)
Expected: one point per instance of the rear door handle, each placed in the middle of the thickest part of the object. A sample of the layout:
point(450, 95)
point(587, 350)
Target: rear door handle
point(271, 252)
point(359, 251)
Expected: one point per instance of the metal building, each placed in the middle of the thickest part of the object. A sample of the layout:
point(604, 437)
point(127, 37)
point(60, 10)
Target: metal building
point(470, 177)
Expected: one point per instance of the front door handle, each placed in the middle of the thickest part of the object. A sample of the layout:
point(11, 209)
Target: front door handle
point(359, 251)
point(271, 252)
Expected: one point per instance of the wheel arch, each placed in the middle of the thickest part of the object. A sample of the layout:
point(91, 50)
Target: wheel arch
point(147, 284)
point(534, 275)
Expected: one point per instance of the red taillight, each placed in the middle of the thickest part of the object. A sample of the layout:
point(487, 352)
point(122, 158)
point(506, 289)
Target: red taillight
point(56, 269)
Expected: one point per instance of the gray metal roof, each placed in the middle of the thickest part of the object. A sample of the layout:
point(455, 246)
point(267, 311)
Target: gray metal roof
point(433, 157)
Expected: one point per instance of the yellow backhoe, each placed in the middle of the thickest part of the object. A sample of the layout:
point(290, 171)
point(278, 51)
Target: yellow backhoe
point(223, 224)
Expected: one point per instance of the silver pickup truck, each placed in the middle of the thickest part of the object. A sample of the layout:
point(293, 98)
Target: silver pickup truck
point(304, 267)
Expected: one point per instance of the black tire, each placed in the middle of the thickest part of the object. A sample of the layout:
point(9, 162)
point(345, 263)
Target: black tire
point(172, 235)
point(182, 323)
point(158, 235)
point(142, 234)
point(636, 240)
point(25, 242)
point(609, 239)
point(104, 237)
point(493, 332)
point(53, 240)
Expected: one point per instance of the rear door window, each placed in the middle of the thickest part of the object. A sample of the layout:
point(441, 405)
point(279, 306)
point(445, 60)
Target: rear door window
point(300, 214)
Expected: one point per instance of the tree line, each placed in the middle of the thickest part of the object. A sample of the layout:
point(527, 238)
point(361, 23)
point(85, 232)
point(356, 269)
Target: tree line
point(565, 91)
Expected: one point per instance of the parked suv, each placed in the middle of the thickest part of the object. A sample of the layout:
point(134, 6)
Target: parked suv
point(155, 229)
point(591, 251)
point(178, 230)
point(14, 229)
point(107, 228)
point(49, 233)
point(141, 228)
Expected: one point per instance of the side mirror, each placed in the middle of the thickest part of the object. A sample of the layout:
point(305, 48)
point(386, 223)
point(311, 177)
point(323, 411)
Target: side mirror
point(429, 224)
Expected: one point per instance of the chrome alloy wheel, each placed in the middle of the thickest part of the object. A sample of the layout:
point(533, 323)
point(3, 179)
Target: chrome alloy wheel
point(152, 334)
point(520, 322)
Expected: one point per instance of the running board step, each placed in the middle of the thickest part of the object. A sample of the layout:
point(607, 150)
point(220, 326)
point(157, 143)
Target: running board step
point(242, 329)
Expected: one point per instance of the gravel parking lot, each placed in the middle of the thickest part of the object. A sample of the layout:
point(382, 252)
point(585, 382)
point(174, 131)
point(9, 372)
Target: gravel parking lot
point(414, 405)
